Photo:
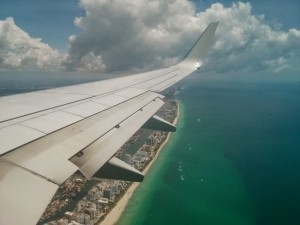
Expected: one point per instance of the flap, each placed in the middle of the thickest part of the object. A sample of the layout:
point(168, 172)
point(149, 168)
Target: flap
point(19, 189)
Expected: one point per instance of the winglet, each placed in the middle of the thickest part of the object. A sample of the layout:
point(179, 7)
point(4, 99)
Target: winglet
point(197, 53)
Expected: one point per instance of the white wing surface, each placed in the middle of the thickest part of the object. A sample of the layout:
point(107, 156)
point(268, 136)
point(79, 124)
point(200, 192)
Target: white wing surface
point(46, 136)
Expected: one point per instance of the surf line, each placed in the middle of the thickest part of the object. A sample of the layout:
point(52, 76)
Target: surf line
point(115, 213)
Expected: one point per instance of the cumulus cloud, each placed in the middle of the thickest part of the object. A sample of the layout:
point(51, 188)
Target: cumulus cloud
point(142, 34)
point(20, 51)
point(245, 42)
point(131, 33)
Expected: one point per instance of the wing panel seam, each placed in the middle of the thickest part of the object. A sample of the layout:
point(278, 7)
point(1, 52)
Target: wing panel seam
point(114, 126)
point(24, 125)
point(11, 150)
point(93, 96)
point(164, 80)
point(28, 170)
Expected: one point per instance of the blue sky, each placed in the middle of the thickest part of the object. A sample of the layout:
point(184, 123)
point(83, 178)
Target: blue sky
point(276, 11)
point(104, 35)
point(51, 20)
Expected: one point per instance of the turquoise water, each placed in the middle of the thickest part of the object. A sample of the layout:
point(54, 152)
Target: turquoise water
point(235, 159)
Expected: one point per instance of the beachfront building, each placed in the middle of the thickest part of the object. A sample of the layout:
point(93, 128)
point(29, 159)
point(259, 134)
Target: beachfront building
point(62, 222)
point(69, 216)
point(147, 148)
point(107, 194)
point(103, 201)
point(93, 195)
point(83, 218)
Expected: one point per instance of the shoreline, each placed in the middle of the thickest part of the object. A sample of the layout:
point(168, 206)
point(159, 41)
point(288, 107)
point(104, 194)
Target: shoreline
point(114, 215)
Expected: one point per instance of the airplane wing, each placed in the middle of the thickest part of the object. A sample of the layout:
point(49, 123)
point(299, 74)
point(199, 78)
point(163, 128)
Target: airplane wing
point(46, 136)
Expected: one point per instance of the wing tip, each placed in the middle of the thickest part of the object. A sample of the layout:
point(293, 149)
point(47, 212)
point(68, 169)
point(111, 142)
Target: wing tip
point(201, 46)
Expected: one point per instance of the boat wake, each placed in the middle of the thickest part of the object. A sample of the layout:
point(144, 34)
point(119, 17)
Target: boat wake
point(182, 177)
point(181, 171)
point(180, 167)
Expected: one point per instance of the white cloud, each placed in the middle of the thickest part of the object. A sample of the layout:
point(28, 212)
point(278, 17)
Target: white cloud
point(143, 34)
point(20, 51)
point(134, 34)
point(246, 43)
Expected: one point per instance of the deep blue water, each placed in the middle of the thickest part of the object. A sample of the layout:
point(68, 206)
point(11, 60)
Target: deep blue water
point(259, 128)
point(235, 158)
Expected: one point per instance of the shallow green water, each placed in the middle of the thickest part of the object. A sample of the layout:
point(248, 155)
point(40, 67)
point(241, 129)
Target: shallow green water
point(234, 159)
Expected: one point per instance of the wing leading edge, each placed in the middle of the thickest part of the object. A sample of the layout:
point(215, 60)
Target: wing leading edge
point(42, 133)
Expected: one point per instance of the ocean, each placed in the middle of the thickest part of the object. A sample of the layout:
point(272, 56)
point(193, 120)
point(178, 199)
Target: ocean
point(235, 158)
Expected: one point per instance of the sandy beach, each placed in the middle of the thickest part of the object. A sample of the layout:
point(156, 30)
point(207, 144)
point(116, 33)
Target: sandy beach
point(116, 212)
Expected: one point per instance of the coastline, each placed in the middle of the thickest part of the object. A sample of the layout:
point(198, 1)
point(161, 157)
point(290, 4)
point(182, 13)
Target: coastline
point(114, 215)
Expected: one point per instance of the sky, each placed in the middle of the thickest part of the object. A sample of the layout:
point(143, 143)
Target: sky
point(105, 35)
